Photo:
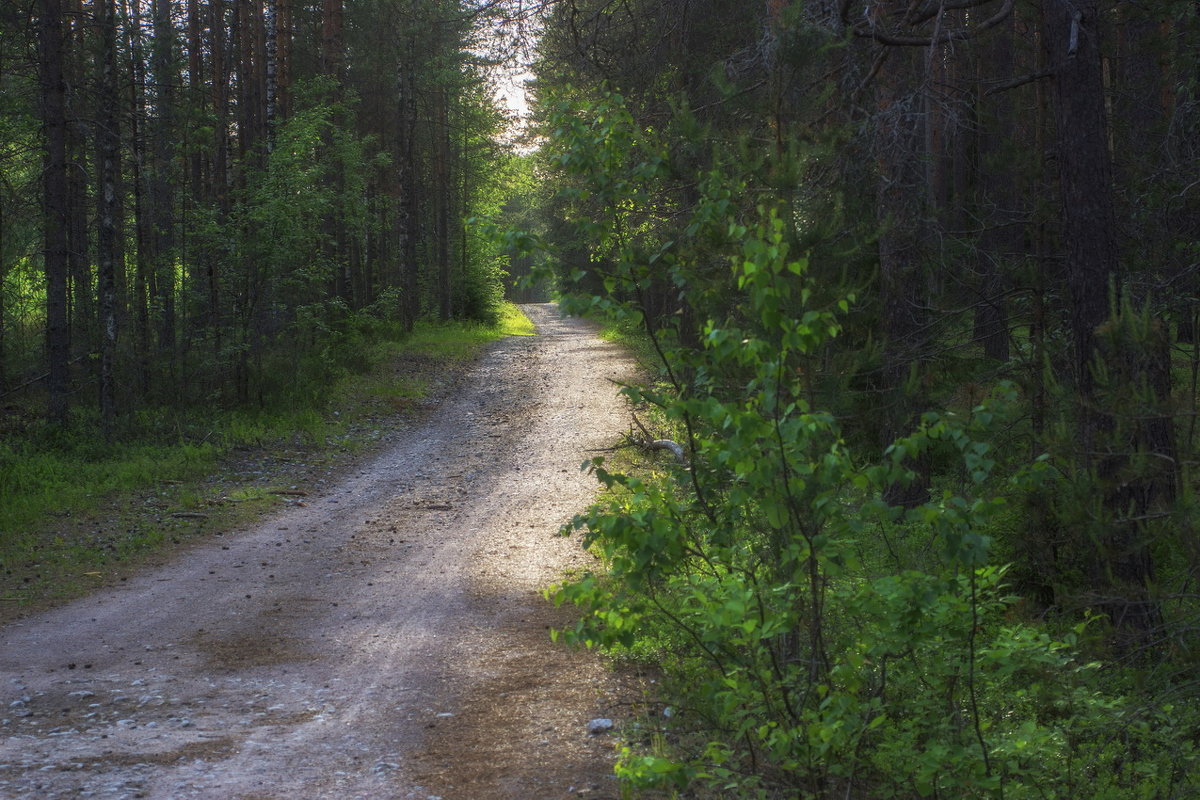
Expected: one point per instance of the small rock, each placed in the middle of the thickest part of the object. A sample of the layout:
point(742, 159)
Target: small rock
point(598, 726)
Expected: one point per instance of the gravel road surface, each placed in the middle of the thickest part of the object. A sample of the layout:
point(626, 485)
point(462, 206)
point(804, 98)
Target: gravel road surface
point(383, 638)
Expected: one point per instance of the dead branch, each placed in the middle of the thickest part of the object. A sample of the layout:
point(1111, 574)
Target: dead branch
point(647, 442)
point(957, 34)
point(1019, 81)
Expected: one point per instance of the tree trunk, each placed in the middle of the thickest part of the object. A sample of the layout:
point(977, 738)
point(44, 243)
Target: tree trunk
point(1123, 570)
point(218, 45)
point(902, 210)
point(143, 232)
point(108, 151)
point(1085, 183)
point(409, 205)
point(162, 196)
point(54, 212)
point(996, 196)
point(219, 181)
point(441, 202)
point(333, 61)
point(251, 45)
point(271, 32)
point(283, 77)
point(80, 295)
point(333, 65)
point(195, 58)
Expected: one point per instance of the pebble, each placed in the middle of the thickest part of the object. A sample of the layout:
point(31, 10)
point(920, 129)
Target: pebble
point(600, 725)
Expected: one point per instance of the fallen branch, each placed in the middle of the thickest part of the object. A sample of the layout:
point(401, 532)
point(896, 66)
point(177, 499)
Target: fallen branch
point(648, 442)
point(41, 377)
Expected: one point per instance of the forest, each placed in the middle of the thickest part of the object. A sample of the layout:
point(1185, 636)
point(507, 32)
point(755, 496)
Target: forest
point(195, 194)
point(915, 281)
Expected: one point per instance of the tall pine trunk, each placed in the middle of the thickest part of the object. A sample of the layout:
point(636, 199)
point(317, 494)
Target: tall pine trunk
point(441, 202)
point(80, 295)
point(996, 198)
point(143, 230)
point(1123, 570)
point(55, 207)
point(162, 196)
point(108, 152)
point(409, 205)
point(902, 209)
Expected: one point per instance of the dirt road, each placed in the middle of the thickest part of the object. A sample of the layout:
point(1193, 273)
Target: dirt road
point(386, 639)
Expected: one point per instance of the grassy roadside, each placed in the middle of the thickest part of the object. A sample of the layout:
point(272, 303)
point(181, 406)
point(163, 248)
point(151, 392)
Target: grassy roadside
point(76, 513)
point(634, 339)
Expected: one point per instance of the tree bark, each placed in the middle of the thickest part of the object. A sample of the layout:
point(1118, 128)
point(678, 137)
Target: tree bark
point(195, 59)
point(108, 151)
point(162, 197)
point(902, 210)
point(271, 23)
point(441, 200)
point(283, 77)
point(54, 198)
point(409, 205)
point(996, 196)
point(218, 45)
point(1085, 183)
point(1123, 569)
point(143, 229)
point(80, 293)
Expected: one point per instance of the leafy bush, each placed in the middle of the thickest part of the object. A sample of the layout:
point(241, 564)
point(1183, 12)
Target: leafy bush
point(821, 642)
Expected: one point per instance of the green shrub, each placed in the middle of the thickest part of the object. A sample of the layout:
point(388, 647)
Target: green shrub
point(819, 642)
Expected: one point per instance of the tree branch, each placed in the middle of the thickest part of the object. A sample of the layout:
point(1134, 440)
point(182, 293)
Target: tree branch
point(1019, 81)
point(650, 443)
point(931, 10)
point(959, 34)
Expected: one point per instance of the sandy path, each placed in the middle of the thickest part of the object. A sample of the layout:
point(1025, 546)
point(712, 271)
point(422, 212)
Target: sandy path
point(384, 640)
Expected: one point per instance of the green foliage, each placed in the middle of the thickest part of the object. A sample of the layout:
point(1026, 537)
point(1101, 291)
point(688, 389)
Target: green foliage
point(821, 643)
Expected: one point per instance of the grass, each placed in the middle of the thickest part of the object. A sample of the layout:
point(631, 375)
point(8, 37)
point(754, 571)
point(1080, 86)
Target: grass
point(634, 339)
point(76, 512)
point(514, 323)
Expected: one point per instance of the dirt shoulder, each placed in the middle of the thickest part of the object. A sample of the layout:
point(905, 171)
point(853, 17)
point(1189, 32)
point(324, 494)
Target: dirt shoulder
point(385, 640)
